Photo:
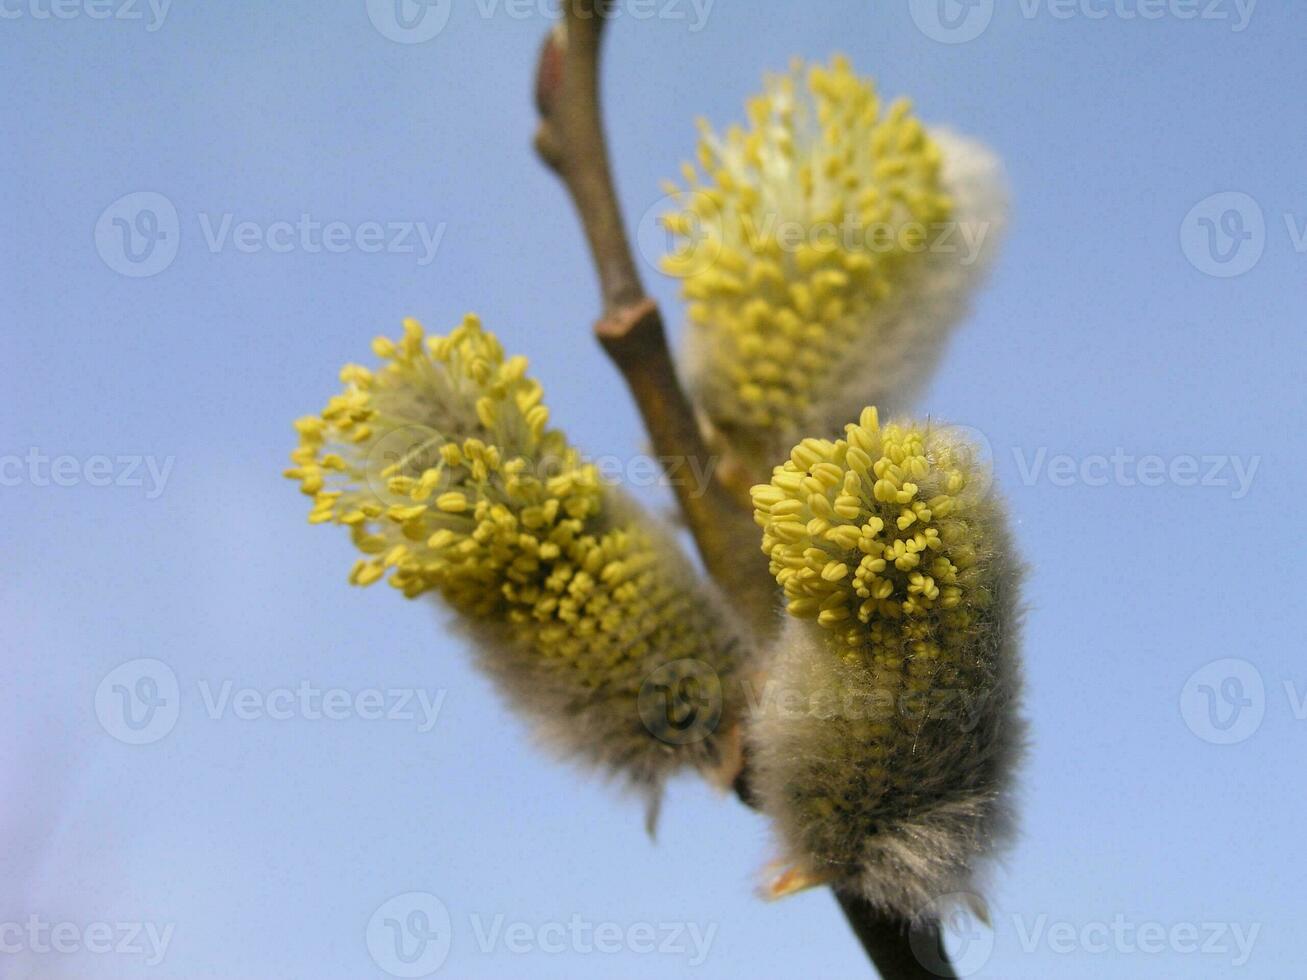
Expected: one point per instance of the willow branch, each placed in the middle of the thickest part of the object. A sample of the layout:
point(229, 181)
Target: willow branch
point(571, 141)
point(896, 947)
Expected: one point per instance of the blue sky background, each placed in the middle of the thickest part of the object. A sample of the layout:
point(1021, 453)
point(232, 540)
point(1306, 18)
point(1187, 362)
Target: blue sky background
point(268, 845)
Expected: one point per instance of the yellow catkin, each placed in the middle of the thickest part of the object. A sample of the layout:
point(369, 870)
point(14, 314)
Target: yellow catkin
point(891, 778)
point(881, 538)
point(789, 231)
point(442, 465)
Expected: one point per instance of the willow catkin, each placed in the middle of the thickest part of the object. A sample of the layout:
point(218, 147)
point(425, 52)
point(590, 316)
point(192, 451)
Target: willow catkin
point(443, 467)
point(884, 748)
point(826, 251)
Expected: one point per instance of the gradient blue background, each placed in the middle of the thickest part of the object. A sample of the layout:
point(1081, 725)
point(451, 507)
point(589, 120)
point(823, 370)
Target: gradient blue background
point(269, 844)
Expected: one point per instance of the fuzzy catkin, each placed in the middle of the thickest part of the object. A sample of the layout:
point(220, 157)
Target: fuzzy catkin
point(826, 252)
point(444, 469)
point(884, 747)
point(902, 337)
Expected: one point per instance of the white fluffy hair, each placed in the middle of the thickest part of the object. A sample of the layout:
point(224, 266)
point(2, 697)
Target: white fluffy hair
point(809, 739)
point(602, 727)
point(905, 335)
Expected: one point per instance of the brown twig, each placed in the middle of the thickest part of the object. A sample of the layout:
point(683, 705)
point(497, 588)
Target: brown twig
point(571, 141)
